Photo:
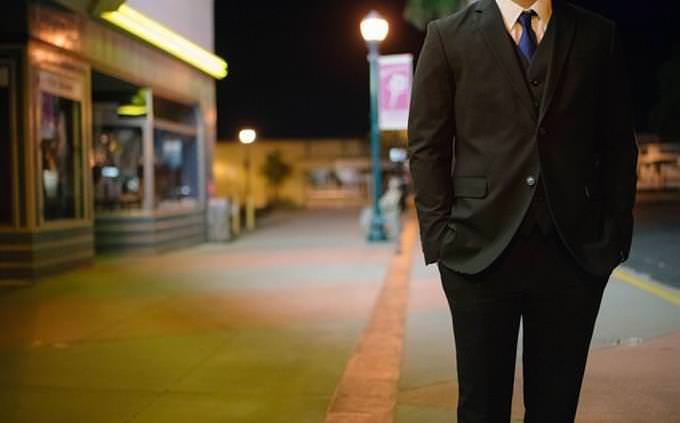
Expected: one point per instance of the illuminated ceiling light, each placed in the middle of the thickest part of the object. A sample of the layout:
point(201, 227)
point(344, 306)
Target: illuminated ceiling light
point(167, 40)
point(131, 110)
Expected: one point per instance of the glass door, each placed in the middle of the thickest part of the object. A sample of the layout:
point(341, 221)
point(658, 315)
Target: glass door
point(60, 149)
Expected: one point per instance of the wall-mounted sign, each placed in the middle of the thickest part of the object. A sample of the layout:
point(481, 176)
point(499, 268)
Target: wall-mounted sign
point(396, 78)
point(61, 86)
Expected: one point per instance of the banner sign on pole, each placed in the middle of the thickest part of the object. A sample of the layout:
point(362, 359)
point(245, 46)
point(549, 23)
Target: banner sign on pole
point(396, 77)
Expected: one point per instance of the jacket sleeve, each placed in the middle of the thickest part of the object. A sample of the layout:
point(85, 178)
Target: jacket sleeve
point(619, 152)
point(431, 131)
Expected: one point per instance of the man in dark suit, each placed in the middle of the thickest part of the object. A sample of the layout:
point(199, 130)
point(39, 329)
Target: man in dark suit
point(523, 159)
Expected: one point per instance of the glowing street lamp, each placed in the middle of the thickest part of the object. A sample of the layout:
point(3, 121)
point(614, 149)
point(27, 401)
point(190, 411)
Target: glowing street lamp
point(374, 29)
point(248, 136)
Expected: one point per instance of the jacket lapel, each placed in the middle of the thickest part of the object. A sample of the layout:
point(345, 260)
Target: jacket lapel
point(490, 23)
point(564, 23)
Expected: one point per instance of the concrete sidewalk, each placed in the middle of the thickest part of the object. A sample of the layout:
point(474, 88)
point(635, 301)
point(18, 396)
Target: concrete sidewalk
point(265, 329)
point(633, 374)
point(254, 331)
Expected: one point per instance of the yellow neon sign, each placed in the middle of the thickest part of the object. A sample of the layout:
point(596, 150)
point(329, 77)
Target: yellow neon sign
point(131, 110)
point(167, 40)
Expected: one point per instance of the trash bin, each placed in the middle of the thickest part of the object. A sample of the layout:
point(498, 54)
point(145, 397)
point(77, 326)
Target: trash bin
point(219, 224)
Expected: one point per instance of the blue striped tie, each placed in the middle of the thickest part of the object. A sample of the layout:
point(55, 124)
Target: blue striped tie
point(527, 42)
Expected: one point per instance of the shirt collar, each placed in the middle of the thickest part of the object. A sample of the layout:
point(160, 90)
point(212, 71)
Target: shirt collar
point(511, 11)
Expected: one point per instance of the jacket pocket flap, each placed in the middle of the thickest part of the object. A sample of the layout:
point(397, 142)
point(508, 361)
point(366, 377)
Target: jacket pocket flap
point(470, 186)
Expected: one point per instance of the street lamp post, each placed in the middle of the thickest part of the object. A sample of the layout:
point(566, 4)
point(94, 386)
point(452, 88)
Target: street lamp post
point(248, 136)
point(374, 29)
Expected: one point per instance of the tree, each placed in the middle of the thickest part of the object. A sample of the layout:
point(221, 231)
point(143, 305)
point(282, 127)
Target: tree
point(666, 115)
point(420, 12)
point(275, 171)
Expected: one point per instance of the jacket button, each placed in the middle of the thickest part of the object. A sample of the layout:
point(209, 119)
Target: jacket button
point(531, 181)
point(535, 82)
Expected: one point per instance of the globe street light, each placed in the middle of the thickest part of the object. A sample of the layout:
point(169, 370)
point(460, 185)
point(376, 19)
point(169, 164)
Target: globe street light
point(248, 136)
point(374, 29)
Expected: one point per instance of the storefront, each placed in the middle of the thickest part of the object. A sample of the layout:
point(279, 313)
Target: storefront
point(105, 137)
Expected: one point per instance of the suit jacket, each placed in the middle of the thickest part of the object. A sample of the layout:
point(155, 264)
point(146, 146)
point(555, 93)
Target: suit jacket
point(477, 139)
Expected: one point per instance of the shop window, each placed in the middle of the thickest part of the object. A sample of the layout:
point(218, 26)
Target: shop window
point(176, 169)
point(119, 117)
point(176, 166)
point(6, 165)
point(118, 171)
point(60, 156)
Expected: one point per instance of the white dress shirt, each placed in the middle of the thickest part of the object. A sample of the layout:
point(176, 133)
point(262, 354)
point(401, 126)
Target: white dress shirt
point(511, 11)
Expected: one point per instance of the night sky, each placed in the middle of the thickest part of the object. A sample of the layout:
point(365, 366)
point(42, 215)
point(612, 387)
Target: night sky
point(298, 69)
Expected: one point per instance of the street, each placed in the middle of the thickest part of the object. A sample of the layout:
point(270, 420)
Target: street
point(208, 209)
point(656, 244)
point(284, 325)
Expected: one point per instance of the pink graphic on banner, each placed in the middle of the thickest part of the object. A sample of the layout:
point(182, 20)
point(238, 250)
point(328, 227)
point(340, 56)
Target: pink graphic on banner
point(396, 77)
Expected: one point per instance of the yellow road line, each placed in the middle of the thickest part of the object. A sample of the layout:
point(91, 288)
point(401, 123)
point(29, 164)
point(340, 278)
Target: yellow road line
point(647, 286)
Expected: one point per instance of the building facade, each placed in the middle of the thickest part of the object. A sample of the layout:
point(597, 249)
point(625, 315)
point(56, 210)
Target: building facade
point(324, 172)
point(108, 128)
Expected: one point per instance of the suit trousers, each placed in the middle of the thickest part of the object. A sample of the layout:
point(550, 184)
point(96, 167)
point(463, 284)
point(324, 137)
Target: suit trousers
point(538, 283)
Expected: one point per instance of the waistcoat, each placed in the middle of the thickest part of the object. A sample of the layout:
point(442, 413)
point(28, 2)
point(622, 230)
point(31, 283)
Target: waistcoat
point(535, 77)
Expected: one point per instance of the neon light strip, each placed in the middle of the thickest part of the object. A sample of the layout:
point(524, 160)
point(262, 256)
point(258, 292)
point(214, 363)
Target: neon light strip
point(167, 40)
point(131, 110)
